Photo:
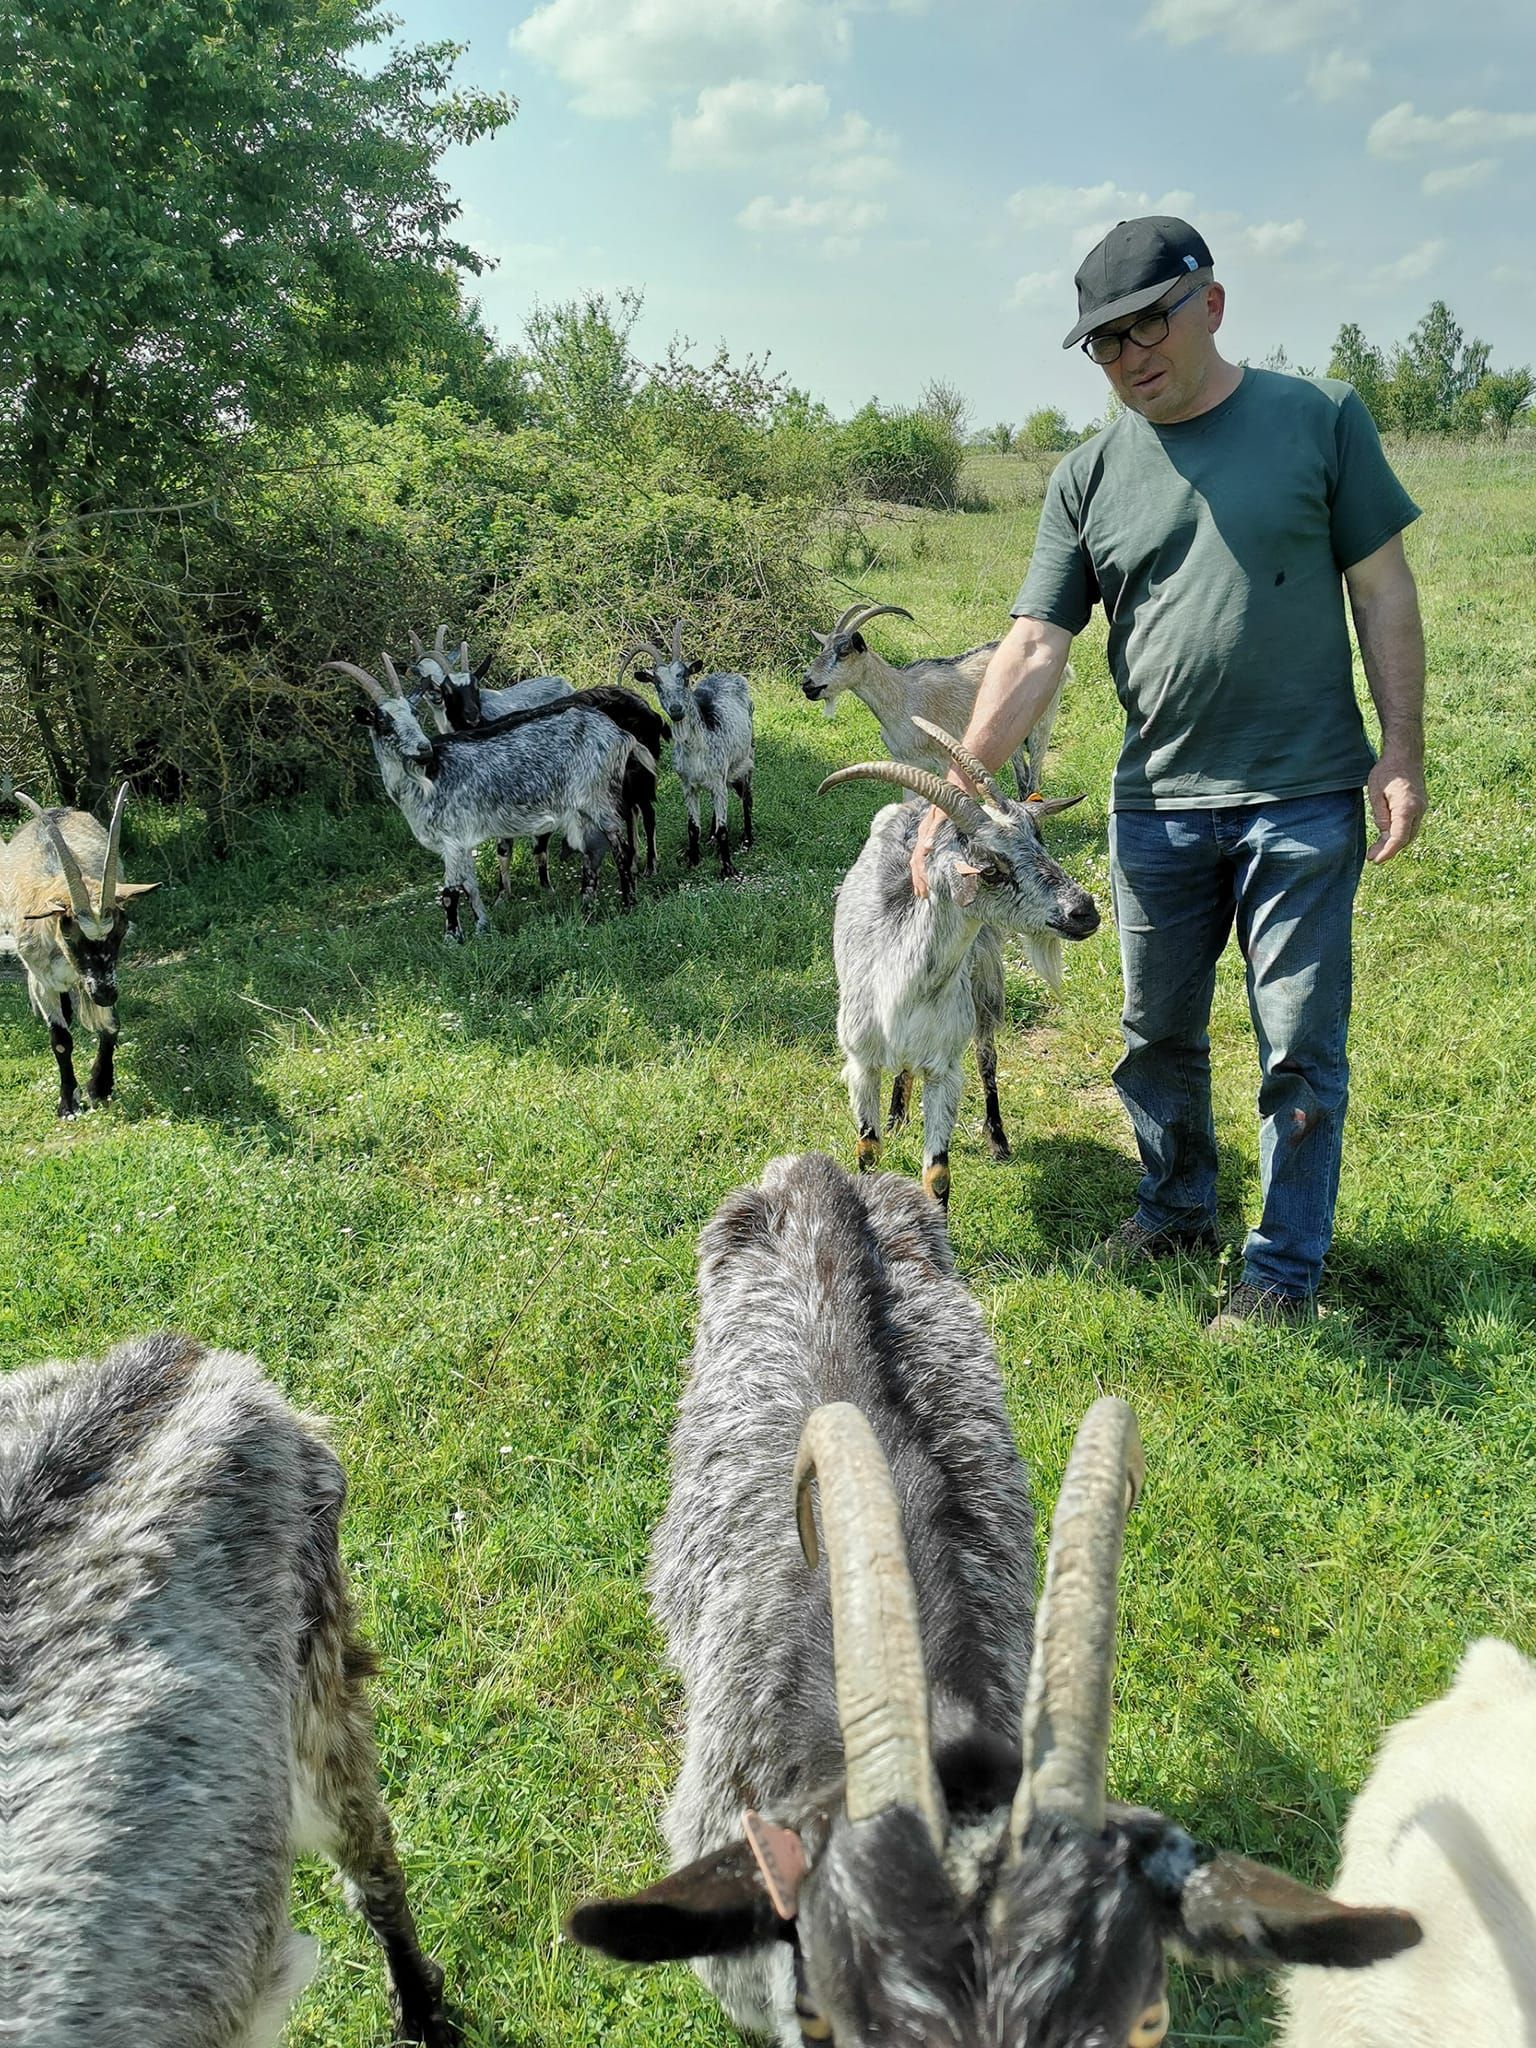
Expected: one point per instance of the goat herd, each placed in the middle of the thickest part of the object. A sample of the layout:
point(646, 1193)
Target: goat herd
point(891, 1824)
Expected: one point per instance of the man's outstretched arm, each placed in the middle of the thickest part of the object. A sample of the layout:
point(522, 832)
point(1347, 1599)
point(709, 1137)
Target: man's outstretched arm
point(1020, 681)
point(1385, 604)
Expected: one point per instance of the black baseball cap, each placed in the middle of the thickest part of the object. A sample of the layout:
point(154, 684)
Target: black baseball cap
point(1132, 267)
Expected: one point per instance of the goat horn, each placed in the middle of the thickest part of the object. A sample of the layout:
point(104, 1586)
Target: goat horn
point(463, 667)
point(1071, 1676)
point(74, 881)
point(109, 865)
point(370, 683)
point(677, 641)
point(963, 808)
point(440, 646)
point(418, 648)
point(978, 771)
point(877, 1646)
point(394, 681)
point(860, 617)
point(640, 647)
point(28, 803)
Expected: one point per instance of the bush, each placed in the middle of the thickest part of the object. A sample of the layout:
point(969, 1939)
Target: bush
point(1046, 432)
point(901, 457)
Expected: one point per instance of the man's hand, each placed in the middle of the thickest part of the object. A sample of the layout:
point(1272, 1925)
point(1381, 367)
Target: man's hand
point(1398, 803)
point(927, 833)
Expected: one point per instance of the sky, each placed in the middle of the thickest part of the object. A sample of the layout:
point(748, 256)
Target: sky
point(876, 193)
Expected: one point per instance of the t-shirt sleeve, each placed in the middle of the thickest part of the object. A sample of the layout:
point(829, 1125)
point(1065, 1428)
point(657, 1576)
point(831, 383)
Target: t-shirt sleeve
point(1368, 504)
point(1060, 586)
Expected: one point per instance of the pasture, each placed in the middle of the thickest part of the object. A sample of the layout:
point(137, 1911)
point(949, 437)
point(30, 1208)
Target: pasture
point(451, 1198)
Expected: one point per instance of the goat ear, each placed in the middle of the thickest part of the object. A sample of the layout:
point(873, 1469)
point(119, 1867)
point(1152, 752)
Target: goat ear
point(1231, 1910)
point(694, 668)
point(58, 908)
point(479, 674)
point(645, 675)
point(965, 889)
point(128, 890)
point(363, 713)
point(1047, 806)
point(854, 644)
point(713, 1906)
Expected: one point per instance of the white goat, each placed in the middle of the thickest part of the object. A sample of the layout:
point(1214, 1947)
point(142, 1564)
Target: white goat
point(918, 979)
point(712, 739)
point(940, 690)
point(183, 1709)
point(1445, 1826)
point(67, 942)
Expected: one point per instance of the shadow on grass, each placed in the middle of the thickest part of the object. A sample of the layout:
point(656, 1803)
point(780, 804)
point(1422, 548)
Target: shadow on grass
point(1437, 1306)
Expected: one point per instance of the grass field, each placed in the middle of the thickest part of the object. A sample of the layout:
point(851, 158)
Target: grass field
point(451, 1198)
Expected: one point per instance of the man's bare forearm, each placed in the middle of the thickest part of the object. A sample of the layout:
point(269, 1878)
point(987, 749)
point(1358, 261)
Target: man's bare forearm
point(1020, 681)
point(1391, 637)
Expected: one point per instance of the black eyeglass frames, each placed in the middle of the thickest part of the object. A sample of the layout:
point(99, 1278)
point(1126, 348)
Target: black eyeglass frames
point(1150, 329)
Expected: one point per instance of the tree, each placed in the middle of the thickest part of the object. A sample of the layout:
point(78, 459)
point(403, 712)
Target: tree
point(224, 225)
point(1360, 363)
point(1495, 402)
point(945, 406)
point(1432, 373)
point(998, 438)
point(1046, 432)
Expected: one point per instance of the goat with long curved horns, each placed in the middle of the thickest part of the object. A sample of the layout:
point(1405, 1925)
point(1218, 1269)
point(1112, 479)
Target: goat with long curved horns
point(918, 979)
point(928, 1852)
point(939, 689)
point(62, 909)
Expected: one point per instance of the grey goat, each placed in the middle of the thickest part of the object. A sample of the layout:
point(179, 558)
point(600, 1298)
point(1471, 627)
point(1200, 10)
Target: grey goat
point(712, 739)
point(859, 1857)
point(183, 1707)
point(919, 979)
point(554, 768)
point(941, 690)
point(62, 901)
point(461, 703)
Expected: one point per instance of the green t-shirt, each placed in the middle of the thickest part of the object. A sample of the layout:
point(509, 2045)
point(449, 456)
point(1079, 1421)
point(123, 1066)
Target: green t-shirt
point(1217, 548)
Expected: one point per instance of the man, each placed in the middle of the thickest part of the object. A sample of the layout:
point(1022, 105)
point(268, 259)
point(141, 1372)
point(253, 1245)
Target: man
point(1219, 520)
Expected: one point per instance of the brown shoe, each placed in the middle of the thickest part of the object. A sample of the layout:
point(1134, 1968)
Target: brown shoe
point(1135, 1242)
point(1249, 1306)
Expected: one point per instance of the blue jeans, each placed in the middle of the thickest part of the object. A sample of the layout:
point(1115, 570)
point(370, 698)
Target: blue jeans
point(1285, 874)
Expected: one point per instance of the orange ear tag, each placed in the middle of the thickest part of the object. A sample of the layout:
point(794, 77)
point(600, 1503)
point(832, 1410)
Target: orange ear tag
point(780, 1856)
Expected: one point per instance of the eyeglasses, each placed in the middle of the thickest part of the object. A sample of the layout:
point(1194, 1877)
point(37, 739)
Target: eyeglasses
point(1146, 332)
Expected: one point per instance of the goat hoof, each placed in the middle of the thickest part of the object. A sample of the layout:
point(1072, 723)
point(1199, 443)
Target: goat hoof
point(998, 1147)
point(936, 1183)
point(869, 1154)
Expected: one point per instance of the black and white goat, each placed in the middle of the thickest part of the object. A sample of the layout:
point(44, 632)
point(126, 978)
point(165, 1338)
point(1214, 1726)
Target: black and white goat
point(858, 1856)
point(183, 1706)
point(941, 690)
point(712, 741)
point(554, 768)
point(460, 703)
point(919, 978)
point(62, 911)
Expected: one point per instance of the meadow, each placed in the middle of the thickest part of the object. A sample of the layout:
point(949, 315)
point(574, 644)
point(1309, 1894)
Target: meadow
point(451, 1198)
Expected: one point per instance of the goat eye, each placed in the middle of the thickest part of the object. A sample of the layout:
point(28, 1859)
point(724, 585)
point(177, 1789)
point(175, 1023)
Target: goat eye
point(1151, 2027)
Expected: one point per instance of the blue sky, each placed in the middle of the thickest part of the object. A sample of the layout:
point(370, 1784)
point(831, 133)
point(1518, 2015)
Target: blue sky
point(876, 192)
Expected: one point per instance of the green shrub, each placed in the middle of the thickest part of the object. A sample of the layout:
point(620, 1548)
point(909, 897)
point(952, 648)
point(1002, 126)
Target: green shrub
point(901, 456)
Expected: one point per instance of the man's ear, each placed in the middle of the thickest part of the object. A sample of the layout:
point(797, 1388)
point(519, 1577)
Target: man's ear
point(1228, 1909)
point(713, 1906)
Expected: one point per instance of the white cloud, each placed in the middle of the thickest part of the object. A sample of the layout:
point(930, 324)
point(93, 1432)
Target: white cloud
point(619, 57)
point(1039, 288)
point(752, 121)
point(1078, 216)
point(1402, 131)
point(1337, 76)
point(835, 216)
point(1411, 266)
point(1253, 30)
point(1262, 238)
point(1459, 177)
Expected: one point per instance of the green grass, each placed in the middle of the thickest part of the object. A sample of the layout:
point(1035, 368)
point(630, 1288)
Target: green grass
point(452, 1197)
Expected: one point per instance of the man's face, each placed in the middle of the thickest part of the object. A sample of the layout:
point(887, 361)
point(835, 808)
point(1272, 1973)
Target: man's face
point(1163, 382)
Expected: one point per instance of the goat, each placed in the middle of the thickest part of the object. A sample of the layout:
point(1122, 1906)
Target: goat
point(461, 704)
point(183, 1706)
point(1447, 1822)
point(69, 943)
point(712, 740)
point(942, 691)
point(501, 781)
point(897, 1876)
point(918, 979)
